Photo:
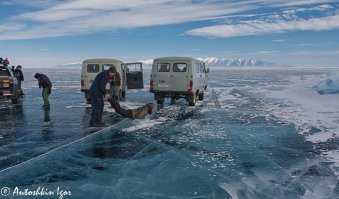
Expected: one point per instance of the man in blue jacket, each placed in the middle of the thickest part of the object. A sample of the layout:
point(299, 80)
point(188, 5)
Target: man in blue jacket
point(98, 91)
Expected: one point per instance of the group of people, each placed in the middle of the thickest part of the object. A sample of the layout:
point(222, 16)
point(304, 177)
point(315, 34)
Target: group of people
point(17, 72)
point(98, 93)
point(44, 83)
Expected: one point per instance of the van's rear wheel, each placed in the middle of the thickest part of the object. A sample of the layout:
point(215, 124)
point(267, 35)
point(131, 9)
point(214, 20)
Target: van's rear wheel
point(201, 96)
point(160, 99)
point(14, 100)
point(123, 94)
point(88, 97)
point(192, 99)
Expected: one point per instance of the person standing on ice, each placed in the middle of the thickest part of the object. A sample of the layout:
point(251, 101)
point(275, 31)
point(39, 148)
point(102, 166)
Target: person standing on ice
point(98, 91)
point(20, 76)
point(46, 85)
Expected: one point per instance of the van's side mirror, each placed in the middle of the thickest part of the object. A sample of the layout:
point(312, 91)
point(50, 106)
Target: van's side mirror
point(207, 70)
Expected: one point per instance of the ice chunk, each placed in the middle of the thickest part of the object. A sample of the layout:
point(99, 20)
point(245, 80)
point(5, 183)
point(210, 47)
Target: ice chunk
point(328, 86)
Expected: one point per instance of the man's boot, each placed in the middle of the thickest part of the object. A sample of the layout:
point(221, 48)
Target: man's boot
point(141, 112)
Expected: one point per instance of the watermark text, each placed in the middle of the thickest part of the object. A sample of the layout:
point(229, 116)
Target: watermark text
point(38, 192)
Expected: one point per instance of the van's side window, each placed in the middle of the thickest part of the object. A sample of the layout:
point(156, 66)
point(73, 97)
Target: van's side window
point(205, 70)
point(93, 68)
point(179, 67)
point(197, 67)
point(107, 66)
point(133, 67)
point(163, 67)
point(202, 68)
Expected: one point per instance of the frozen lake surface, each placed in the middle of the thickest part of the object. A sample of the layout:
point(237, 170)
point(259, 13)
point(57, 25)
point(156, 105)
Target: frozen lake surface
point(259, 133)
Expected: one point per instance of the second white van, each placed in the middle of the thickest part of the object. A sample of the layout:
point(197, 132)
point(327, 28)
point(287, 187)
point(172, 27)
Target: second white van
point(178, 77)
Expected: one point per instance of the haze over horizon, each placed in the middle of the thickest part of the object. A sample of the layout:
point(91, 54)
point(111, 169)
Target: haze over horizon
point(38, 33)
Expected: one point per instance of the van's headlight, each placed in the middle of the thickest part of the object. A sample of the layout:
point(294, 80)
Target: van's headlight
point(5, 85)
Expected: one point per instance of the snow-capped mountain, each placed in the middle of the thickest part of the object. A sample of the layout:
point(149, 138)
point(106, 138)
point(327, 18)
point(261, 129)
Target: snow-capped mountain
point(223, 62)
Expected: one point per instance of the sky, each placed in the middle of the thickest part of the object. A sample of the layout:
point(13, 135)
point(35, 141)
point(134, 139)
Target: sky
point(47, 33)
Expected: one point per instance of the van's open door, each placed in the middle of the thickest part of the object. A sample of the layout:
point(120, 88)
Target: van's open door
point(134, 75)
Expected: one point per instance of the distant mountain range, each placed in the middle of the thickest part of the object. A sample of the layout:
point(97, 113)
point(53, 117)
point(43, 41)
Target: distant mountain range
point(210, 62)
point(223, 62)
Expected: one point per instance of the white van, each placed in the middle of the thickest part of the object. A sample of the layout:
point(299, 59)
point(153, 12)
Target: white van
point(178, 77)
point(131, 74)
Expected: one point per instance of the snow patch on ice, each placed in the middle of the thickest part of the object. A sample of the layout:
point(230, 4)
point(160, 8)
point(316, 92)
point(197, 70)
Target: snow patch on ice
point(82, 105)
point(125, 105)
point(319, 137)
point(144, 124)
point(333, 156)
point(315, 115)
point(228, 99)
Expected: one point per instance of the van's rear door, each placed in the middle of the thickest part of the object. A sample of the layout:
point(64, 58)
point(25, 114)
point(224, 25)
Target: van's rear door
point(162, 76)
point(179, 77)
point(134, 75)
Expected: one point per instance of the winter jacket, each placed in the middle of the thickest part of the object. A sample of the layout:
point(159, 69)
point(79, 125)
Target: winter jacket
point(44, 81)
point(99, 83)
point(19, 75)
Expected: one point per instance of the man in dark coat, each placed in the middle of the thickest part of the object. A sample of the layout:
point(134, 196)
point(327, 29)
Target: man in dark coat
point(46, 85)
point(98, 91)
point(20, 77)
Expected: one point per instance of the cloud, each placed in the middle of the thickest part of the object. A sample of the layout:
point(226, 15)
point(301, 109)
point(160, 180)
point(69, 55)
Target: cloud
point(147, 61)
point(88, 16)
point(42, 19)
point(279, 40)
point(313, 54)
point(314, 18)
point(261, 27)
point(319, 44)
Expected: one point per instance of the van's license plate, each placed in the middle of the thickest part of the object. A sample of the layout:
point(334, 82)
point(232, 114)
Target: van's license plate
point(163, 85)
